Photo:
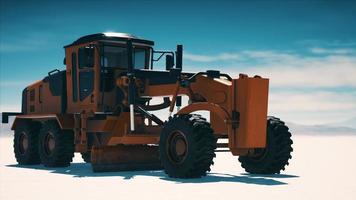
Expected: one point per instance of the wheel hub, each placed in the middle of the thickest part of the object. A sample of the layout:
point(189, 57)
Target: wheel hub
point(49, 143)
point(177, 147)
point(23, 143)
point(181, 147)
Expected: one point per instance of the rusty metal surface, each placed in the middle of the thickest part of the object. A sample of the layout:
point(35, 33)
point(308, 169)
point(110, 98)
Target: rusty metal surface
point(125, 158)
point(251, 102)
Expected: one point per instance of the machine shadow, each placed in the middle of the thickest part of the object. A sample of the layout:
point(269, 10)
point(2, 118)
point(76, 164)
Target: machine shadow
point(83, 170)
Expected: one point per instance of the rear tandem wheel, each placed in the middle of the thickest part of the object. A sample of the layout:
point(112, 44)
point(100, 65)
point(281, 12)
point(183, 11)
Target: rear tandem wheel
point(26, 144)
point(56, 146)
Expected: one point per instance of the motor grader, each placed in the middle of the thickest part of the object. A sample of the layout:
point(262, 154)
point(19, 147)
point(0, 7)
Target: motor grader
point(102, 106)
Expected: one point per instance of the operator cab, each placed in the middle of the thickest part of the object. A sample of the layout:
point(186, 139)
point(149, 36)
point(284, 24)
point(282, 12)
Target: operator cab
point(112, 48)
point(96, 61)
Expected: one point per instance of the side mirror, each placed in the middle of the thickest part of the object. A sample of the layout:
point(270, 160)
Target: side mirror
point(179, 56)
point(86, 57)
point(169, 62)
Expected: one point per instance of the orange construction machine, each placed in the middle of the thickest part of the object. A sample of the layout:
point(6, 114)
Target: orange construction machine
point(101, 104)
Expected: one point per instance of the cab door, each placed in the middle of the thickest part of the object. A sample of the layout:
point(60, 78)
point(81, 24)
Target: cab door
point(86, 75)
point(82, 80)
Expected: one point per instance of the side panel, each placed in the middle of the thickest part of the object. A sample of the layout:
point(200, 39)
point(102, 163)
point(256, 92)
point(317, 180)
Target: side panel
point(47, 96)
point(251, 102)
point(33, 104)
point(49, 103)
point(40, 100)
point(53, 94)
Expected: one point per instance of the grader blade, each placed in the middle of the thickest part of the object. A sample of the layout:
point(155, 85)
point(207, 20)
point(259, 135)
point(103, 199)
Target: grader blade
point(125, 158)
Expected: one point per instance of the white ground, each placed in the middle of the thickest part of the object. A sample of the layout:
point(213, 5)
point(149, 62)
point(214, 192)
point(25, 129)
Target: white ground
point(321, 168)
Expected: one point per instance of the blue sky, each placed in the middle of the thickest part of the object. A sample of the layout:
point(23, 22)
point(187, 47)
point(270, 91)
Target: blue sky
point(307, 48)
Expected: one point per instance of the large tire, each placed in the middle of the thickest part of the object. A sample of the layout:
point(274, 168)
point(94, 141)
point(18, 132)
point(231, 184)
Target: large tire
point(26, 144)
point(273, 158)
point(86, 156)
point(56, 146)
point(187, 146)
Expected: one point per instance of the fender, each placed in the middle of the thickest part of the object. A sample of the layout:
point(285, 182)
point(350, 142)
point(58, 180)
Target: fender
point(65, 121)
point(216, 110)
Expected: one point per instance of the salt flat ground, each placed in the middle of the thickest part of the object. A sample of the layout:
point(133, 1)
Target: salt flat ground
point(323, 167)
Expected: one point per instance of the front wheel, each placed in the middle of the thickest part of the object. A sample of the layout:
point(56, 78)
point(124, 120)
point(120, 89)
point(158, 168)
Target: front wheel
point(273, 158)
point(187, 146)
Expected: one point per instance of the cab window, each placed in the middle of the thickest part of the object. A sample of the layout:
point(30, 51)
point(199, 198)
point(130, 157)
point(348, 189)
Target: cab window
point(139, 58)
point(116, 57)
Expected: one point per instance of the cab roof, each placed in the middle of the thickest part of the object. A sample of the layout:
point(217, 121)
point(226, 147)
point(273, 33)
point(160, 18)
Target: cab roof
point(110, 36)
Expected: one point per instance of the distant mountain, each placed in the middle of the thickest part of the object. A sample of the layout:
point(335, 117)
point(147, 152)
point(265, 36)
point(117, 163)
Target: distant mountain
point(342, 128)
point(299, 129)
point(347, 123)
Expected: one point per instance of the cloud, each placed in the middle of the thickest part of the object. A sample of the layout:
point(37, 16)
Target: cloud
point(6, 48)
point(306, 88)
point(269, 55)
point(316, 101)
point(332, 43)
point(319, 50)
point(219, 57)
point(329, 71)
point(10, 108)
point(289, 69)
point(13, 83)
point(24, 46)
point(317, 107)
point(24, 43)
